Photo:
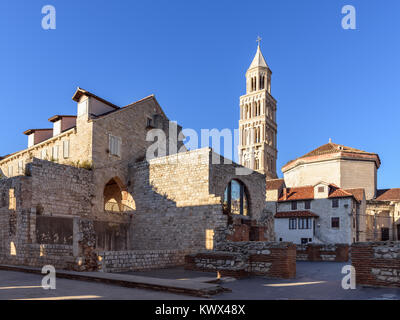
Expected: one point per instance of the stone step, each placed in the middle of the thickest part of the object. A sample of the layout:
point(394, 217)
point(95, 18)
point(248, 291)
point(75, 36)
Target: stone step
point(192, 288)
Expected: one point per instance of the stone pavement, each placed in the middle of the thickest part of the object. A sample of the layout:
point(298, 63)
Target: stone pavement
point(193, 288)
point(314, 280)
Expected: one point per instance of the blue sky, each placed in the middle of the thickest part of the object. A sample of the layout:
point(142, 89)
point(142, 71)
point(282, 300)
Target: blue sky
point(329, 82)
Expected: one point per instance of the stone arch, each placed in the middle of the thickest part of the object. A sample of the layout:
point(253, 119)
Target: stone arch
point(236, 198)
point(116, 196)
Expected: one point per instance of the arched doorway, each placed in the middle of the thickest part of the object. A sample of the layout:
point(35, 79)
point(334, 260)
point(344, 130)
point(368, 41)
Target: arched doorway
point(117, 198)
point(236, 198)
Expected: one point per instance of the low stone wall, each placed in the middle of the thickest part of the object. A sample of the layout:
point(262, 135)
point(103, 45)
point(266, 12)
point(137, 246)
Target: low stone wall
point(139, 260)
point(377, 263)
point(323, 252)
point(36, 255)
point(242, 259)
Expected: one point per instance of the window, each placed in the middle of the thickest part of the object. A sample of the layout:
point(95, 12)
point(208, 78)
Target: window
point(292, 223)
point(44, 154)
point(304, 223)
point(307, 204)
point(82, 108)
point(294, 205)
point(12, 201)
point(54, 153)
point(115, 145)
point(321, 189)
point(149, 122)
point(335, 203)
point(235, 199)
point(304, 240)
point(20, 167)
point(66, 149)
point(209, 239)
point(57, 128)
point(335, 223)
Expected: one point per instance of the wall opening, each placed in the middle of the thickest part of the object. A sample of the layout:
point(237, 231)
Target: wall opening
point(236, 199)
point(117, 198)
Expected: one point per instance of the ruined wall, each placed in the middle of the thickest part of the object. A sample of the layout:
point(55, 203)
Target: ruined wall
point(122, 261)
point(323, 252)
point(60, 189)
point(377, 263)
point(174, 207)
point(179, 199)
point(241, 259)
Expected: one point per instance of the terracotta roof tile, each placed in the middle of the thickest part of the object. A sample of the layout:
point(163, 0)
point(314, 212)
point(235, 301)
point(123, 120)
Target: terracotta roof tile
point(298, 193)
point(388, 194)
point(275, 184)
point(332, 148)
point(307, 193)
point(358, 193)
point(295, 214)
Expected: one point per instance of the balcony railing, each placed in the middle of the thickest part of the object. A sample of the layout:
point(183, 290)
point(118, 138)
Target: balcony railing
point(113, 207)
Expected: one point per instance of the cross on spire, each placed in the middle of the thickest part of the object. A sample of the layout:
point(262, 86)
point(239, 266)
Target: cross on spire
point(258, 40)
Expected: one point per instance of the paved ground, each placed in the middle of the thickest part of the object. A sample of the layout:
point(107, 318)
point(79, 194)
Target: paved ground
point(20, 285)
point(315, 280)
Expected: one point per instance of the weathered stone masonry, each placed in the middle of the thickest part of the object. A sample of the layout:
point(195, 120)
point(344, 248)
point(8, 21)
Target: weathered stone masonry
point(242, 259)
point(323, 252)
point(377, 263)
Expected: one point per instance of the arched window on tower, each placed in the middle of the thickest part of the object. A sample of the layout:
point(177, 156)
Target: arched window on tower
point(236, 199)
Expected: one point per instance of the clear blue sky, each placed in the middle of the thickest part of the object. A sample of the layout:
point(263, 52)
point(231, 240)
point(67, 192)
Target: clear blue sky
point(329, 82)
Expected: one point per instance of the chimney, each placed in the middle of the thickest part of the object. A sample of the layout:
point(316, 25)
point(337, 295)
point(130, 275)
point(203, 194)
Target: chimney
point(284, 194)
point(62, 123)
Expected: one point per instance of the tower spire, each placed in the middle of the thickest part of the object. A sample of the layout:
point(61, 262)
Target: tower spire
point(258, 40)
point(257, 124)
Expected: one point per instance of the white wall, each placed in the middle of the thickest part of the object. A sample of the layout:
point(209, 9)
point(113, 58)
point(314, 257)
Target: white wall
point(323, 231)
point(292, 235)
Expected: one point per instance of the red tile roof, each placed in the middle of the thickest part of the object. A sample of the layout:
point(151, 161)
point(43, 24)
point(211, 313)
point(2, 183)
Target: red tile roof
point(307, 193)
point(333, 148)
point(298, 193)
point(275, 184)
point(358, 193)
point(388, 194)
point(295, 214)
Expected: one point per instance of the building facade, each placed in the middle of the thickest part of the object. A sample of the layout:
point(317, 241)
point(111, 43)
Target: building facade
point(116, 179)
point(322, 213)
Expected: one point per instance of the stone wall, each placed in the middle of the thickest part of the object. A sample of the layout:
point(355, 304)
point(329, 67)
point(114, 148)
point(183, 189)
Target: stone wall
point(377, 263)
point(179, 198)
point(139, 260)
point(60, 189)
point(323, 252)
point(36, 255)
point(241, 259)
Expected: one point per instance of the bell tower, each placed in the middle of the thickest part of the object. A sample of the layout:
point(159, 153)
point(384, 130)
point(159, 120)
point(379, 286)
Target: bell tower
point(257, 124)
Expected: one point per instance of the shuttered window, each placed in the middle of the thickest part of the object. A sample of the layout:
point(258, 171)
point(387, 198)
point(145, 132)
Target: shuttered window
point(10, 171)
point(44, 154)
point(20, 167)
point(66, 149)
point(115, 145)
point(54, 153)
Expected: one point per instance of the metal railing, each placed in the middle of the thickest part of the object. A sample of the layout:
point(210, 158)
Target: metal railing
point(114, 207)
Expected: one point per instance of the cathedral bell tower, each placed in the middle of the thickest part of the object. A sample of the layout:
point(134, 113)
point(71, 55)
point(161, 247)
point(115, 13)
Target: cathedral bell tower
point(257, 124)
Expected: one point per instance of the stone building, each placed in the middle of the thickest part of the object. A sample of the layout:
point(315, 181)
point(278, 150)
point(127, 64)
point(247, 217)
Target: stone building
point(257, 124)
point(349, 169)
point(102, 186)
point(322, 213)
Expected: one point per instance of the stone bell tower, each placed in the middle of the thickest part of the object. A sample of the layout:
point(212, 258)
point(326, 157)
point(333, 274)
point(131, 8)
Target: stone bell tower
point(257, 124)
